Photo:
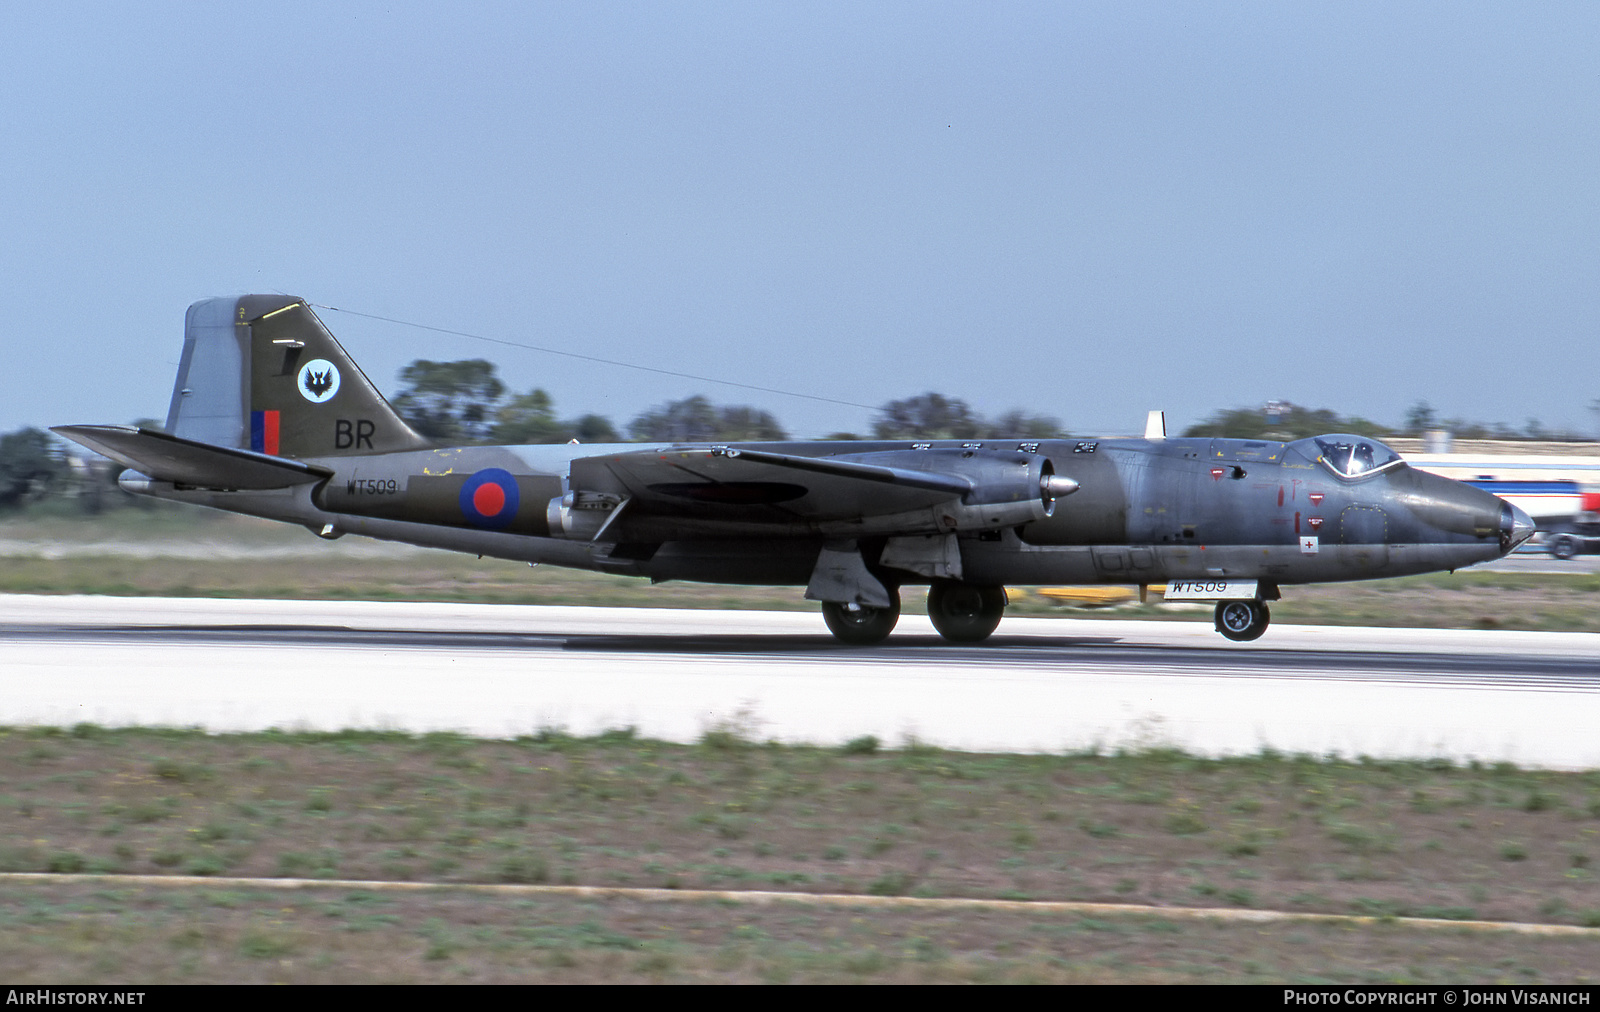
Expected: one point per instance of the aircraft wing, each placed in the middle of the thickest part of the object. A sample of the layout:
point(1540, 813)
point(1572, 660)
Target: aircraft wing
point(187, 462)
point(736, 483)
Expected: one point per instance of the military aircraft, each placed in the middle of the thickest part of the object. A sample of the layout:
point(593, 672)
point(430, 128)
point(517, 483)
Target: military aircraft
point(270, 417)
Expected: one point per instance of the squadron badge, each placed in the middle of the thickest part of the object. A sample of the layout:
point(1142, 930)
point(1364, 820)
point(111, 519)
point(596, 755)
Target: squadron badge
point(319, 380)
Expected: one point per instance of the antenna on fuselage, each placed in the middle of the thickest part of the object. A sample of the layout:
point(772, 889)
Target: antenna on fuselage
point(1155, 426)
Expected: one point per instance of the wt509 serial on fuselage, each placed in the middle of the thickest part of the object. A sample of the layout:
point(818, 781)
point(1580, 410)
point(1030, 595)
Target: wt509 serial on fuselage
point(270, 417)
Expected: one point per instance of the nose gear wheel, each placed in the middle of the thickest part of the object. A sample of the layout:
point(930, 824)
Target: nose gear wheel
point(1242, 620)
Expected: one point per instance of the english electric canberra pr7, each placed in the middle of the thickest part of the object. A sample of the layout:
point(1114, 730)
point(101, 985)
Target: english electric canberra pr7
point(271, 418)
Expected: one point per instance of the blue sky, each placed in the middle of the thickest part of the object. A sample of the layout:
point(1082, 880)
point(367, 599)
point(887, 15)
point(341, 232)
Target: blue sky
point(1083, 210)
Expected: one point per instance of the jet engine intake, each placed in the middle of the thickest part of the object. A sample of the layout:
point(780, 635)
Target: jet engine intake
point(1012, 488)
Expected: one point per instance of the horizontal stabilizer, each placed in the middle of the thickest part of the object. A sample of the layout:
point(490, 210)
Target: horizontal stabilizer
point(187, 462)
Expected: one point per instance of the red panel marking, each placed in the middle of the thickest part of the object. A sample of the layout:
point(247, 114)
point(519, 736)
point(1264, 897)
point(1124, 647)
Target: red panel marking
point(489, 499)
point(269, 433)
point(1280, 495)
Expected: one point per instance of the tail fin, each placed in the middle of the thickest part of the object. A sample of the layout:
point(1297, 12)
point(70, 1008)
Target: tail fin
point(261, 372)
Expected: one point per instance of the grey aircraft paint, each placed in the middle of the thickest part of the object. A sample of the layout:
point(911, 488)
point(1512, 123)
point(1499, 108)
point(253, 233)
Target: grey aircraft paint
point(270, 417)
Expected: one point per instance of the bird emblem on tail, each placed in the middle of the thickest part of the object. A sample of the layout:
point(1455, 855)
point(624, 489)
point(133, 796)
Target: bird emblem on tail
point(319, 380)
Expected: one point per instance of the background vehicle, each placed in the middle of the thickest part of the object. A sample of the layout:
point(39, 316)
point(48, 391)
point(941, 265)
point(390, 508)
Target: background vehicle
point(1577, 537)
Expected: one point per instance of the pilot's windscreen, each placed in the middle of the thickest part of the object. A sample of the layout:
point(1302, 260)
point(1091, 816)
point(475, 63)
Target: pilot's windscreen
point(1360, 459)
point(1353, 456)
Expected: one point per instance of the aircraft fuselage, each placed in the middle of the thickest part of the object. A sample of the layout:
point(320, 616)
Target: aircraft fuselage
point(1146, 511)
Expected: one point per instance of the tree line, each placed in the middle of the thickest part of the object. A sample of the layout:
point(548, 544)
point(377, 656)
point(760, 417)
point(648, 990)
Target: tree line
point(466, 402)
point(1283, 420)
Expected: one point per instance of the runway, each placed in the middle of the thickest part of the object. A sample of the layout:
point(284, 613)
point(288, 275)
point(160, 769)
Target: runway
point(1038, 685)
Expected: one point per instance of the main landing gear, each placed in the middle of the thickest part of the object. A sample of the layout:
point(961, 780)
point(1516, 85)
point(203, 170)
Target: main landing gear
point(961, 612)
point(1242, 620)
point(964, 613)
point(862, 625)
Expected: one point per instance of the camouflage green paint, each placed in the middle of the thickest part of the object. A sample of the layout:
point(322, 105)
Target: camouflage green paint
point(286, 339)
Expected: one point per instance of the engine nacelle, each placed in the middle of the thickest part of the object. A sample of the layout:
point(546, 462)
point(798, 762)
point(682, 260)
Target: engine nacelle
point(985, 490)
point(1008, 488)
point(996, 476)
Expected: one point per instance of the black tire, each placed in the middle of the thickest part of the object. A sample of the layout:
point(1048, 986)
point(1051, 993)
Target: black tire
point(1242, 621)
point(964, 613)
point(865, 626)
point(1563, 547)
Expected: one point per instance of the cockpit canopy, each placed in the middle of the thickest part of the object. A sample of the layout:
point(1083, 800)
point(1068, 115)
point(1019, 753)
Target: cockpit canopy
point(1349, 456)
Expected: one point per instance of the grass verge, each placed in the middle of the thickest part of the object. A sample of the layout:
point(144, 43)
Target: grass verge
point(1374, 838)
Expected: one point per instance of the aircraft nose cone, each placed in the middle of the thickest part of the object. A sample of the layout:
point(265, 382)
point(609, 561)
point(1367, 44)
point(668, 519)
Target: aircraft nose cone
point(1515, 527)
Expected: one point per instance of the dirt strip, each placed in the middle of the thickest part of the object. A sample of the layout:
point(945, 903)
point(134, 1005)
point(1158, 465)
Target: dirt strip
point(765, 897)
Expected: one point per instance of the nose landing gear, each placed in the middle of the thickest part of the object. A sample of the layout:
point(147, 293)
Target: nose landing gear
point(1242, 621)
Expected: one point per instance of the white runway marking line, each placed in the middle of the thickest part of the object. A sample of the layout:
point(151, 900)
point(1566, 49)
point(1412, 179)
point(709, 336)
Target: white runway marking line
point(764, 897)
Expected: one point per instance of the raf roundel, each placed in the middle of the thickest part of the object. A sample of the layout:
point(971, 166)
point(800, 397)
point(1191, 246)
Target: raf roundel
point(489, 498)
point(319, 380)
